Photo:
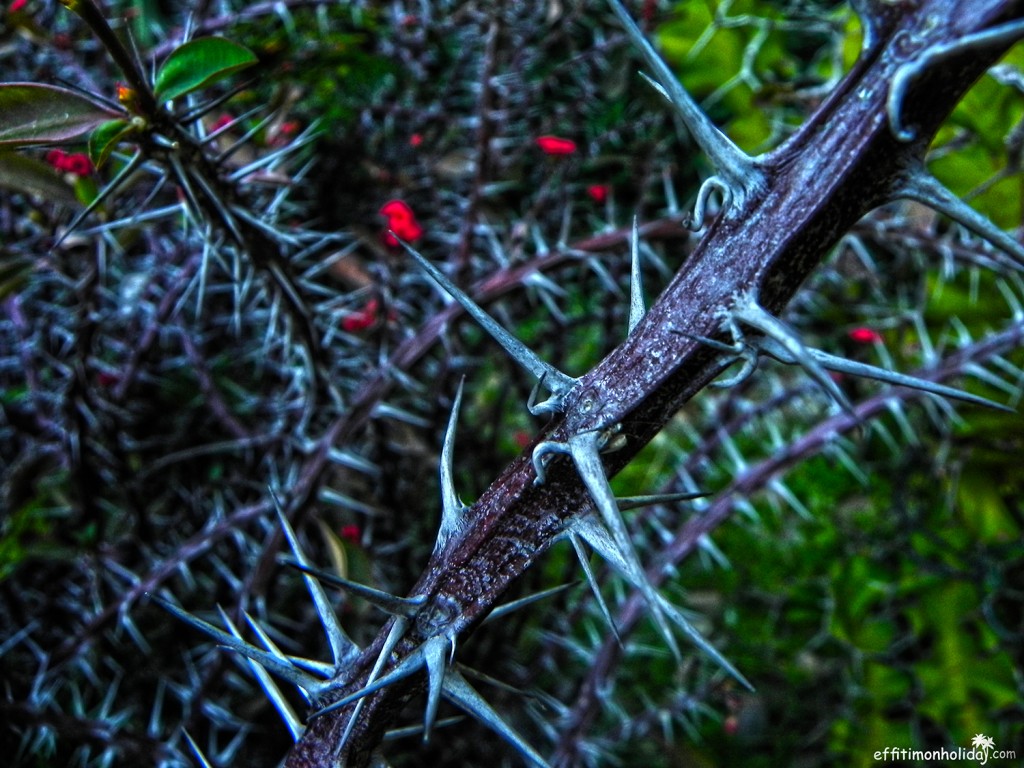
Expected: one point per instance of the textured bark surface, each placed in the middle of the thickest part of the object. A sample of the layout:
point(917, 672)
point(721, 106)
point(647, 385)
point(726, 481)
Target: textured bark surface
point(844, 162)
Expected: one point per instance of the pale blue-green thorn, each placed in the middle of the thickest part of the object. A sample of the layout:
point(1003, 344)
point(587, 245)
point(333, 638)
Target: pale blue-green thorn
point(924, 188)
point(385, 601)
point(702, 644)
point(130, 167)
point(452, 509)
point(854, 368)
point(556, 381)
point(585, 451)
point(1003, 34)
point(728, 159)
point(506, 608)
point(281, 667)
point(321, 668)
point(408, 666)
point(464, 696)
point(542, 453)
point(584, 559)
point(627, 503)
point(267, 683)
point(782, 490)
point(343, 649)
point(712, 183)
point(866, 14)
point(203, 762)
point(436, 652)
point(747, 311)
point(737, 350)
point(395, 634)
point(637, 310)
point(412, 730)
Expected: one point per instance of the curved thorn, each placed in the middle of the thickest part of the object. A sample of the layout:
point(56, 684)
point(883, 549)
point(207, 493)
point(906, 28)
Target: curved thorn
point(507, 608)
point(396, 606)
point(452, 508)
point(342, 647)
point(696, 222)
point(558, 382)
point(637, 310)
point(464, 696)
point(738, 350)
point(728, 159)
point(635, 502)
point(435, 652)
point(408, 666)
point(1003, 34)
point(281, 667)
point(921, 186)
point(541, 455)
point(853, 368)
point(585, 451)
point(750, 313)
point(584, 559)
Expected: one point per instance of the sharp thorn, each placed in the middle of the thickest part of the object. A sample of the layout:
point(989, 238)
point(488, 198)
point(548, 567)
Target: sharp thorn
point(507, 608)
point(635, 502)
point(203, 762)
point(677, 618)
point(452, 508)
point(585, 451)
point(436, 652)
point(396, 606)
point(557, 381)
point(637, 310)
point(921, 186)
point(584, 559)
point(342, 648)
point(728, 159)
point(464, 696)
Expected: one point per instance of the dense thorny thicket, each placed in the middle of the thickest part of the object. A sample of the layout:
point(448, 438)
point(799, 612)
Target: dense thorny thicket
point(232, 329)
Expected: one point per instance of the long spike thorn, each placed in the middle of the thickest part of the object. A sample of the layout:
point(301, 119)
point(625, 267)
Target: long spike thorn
point(342, 647)
point(507, 608)
point(436, 652)
point(585, 451)
point(130, 167)
point(728, 159)
point(410, 665)
point(853, 368)
point(396, 606)
point(1001, 35)
point(921, 186)
point(584, 559)
point(395, 634)
point(750, 313)
point(281, 667)
point(627, 503)
point(452, 508)
point(557, 381)
point(284, 709)
point(637, 309)
point(198, 752)
point(464, 696)
point(702, 643)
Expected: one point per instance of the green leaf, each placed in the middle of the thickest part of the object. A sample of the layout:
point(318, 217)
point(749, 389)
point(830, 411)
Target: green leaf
point(33, 177)
point(103, 140)
point(31, 113)
point(198, 63)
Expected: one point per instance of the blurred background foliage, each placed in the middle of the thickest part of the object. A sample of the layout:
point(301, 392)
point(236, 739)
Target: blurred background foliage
point(873, 590)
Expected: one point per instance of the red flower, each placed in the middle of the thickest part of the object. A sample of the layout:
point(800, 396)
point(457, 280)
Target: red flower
point(350, 533)
point(554, 145)
point(55, 157)
point(78, 164)
point(415, 140)
point(222, 122)
point(401, 223)
point(599, 192)
point(365, 318)
point(16, 6)
point(864, 335)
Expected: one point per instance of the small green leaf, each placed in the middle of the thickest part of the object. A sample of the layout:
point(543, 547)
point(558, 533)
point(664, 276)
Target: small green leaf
point(33, 177)
point(198, 63)
point(31, 113)
point(103, 140)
